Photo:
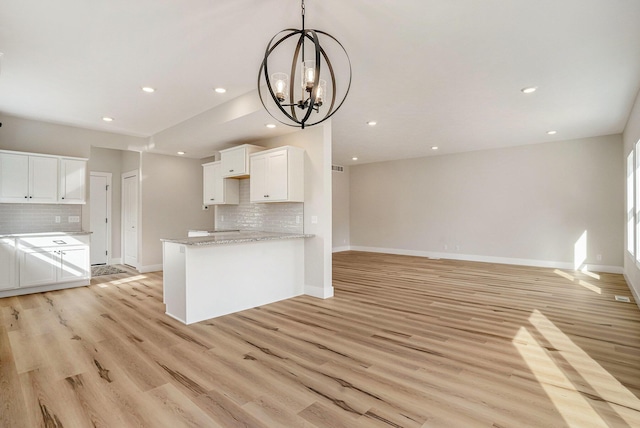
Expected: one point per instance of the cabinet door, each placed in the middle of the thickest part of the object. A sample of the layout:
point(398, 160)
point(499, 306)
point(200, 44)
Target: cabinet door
point(7, 264)
point(209, 173)
point(258, 179)
point(277, 176)
point(14, 178)
point(38, 267)
point(43, 179)
point(73, 179)
point(74, 264)
point(234, 162)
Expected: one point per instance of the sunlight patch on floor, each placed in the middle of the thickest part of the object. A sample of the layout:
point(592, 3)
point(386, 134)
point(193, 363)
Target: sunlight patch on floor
point(568, 375)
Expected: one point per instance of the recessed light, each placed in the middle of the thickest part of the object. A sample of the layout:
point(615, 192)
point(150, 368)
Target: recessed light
point(529, 89)
point(552, 132)
point(220, 90)
point(434, 147)
point(270, 125)
point(107, 119)
point(372, 123)
point(148, 89)
point(354, 158)
point(182, 153)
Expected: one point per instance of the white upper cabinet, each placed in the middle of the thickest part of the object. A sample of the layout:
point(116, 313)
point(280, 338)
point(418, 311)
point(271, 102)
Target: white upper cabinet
point(28, 179)
point(277, 175)
point(14, 178)
point(216, 189)
point(41, 179)
point(73, 179)
point(235, 161)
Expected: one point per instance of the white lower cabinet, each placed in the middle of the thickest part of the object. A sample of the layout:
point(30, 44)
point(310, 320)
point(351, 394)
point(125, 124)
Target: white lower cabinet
point(43, 266)
point(8, 264)
point(38, 266)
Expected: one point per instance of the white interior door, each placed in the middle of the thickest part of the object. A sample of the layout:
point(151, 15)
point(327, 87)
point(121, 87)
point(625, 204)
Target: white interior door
point(130, 219)
point(100, 217)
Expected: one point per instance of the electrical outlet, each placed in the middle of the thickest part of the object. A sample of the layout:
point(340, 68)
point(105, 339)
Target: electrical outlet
point(599, 257)
point(74, 219)
point(457, 247)
point(221, 218)
point(57, 219)
point(297, 219)
point(314, 219)
point(446, 247)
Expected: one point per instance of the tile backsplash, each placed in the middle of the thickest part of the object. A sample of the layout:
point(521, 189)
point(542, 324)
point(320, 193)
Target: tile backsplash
point(284, 217)
point(25, 218)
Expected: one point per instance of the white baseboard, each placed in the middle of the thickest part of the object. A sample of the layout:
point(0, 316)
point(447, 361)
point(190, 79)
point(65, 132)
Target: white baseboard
point(341, 249)
point(319, 292)
point(636, 294)
point(489, 259)
point(149, 268)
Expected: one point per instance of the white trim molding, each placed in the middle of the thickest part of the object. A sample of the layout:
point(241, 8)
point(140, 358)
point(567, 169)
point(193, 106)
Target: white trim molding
point(319, 292)
point(490, 259)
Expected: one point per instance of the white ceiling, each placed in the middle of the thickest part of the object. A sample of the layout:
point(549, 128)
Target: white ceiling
point(444, 73)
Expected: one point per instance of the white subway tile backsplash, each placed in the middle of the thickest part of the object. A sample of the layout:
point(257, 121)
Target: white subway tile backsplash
point(269, 217)
point(26, 218)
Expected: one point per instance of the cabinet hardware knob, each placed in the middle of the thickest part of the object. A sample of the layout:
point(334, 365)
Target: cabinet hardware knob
point(212, 199)
point(30, 197)
point(266, 196)
point(230, 170)
point(63, 197)
point(26, 197)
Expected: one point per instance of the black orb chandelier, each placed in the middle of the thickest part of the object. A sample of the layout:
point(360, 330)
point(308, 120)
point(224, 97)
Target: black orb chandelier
point(311, 102)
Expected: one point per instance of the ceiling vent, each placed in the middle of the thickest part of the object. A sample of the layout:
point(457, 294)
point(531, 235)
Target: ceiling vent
point(337, 168)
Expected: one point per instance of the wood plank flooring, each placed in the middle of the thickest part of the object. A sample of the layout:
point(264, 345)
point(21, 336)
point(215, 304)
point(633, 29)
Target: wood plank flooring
point(405, 342)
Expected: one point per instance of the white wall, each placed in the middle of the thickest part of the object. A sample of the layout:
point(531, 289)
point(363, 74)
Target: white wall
point(340, 202)
point(26, 135)
point(525, 205)
point(171, 193)
point(630, 137)
point(317, 203)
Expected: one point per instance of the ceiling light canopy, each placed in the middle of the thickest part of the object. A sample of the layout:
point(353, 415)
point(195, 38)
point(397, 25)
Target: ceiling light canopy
point(552, 132)
point(311, 87)
point(372, 123)
point(529, 89)
point(220, 90)
point(107, 119)
point(148, 89)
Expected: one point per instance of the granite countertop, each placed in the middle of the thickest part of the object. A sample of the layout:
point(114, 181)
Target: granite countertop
point(236, 238)
point(30, 234)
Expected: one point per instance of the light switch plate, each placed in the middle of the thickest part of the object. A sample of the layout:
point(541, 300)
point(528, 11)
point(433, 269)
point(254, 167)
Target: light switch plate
point(314, 219)
point(74, 219)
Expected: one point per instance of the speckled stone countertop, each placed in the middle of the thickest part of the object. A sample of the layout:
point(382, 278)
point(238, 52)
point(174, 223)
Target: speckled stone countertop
point(236, 238)
point(32, 234)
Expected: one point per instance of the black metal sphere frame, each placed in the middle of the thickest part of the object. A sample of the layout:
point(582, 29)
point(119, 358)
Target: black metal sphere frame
point(312, 35)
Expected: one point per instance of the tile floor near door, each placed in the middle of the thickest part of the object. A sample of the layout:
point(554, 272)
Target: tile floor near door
point(405, 342)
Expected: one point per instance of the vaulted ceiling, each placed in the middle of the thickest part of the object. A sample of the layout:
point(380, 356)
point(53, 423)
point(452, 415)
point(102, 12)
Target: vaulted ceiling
point(445, 73)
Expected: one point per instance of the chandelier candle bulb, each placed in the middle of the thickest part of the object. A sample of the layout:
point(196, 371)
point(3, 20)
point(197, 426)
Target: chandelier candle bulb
point(322, 89)
point(308, 74)
point(280, 84)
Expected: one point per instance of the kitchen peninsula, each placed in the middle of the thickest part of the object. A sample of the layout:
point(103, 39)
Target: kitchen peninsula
point(206, 277)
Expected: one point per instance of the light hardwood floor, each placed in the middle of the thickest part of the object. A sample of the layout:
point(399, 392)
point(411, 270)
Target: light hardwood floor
point(405, 342)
